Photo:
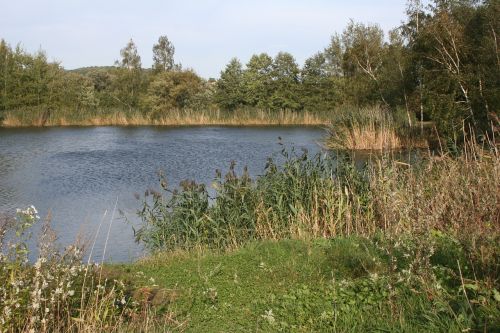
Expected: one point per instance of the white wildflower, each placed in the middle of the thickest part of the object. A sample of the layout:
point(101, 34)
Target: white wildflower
point(269, 316)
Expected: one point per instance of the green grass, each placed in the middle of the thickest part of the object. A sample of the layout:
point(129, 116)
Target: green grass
point(339, 285)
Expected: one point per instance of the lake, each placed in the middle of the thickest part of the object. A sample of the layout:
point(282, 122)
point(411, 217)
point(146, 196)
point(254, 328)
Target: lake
point(79, 174)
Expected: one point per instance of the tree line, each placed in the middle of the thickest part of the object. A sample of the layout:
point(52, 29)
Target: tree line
point(441, 64)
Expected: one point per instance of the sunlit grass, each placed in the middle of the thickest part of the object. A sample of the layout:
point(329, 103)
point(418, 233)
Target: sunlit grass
point(115, 117)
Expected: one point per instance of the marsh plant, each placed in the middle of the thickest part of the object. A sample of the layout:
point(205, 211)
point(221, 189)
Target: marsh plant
point(374, 128)
point(58, 292)
point(429, 235)
point(325, 196)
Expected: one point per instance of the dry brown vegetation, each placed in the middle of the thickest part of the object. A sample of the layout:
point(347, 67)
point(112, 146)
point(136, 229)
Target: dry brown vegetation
point(172, 118)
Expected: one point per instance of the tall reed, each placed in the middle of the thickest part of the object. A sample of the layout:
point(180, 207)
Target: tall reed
point(372, 128)
point(326, 196)
point(175, 117)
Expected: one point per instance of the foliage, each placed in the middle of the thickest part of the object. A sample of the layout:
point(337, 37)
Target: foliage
point(173, 90)
point(314, 285)
point(326, 196)
point(441, 66)
point(163, 55)
point(56, 293)
point(229, 93)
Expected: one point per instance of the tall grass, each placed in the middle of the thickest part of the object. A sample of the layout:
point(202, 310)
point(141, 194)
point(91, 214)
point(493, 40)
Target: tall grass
point(429, 259)
point(58, 292)
point(372, 128)
point(175, 117)
point(327, 196)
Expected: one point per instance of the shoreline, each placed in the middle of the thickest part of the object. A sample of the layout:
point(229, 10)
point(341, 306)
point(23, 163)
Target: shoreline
point(186, 124)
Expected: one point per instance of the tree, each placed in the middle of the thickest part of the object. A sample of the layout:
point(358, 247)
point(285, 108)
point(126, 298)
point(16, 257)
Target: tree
point(128, 79)
point(318, 85)
point(163, 55)
point(411, 31)
point(173, 90)
point(285, 83)
point(335, 57)
point(394, 73)
point(5, 60)
point(229, 94)
point(130, 57)
point(257, 81)
point(364, 49)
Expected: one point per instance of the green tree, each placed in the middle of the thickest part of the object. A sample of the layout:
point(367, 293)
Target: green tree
point(229, 94)
point(258, 80)
point(319, 91)
point(285, 83)
point(130, 57)
point(458, 51)
point(128, 81)
point(163, 55)
point(173, 90)
point(364, 52)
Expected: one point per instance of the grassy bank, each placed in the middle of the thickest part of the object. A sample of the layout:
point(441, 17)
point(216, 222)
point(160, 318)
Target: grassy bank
point(313, 244)
point(338, 285)
point(112, 117)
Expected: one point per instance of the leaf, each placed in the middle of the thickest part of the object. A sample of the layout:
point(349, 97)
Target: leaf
point(496, 295)
point(471, 286)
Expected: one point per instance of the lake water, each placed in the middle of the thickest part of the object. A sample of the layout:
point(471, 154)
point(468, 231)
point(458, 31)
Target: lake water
point(81, 174)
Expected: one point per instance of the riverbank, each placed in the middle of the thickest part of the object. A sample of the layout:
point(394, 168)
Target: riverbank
point(313, 244)
point(338, 285)
point(247, 117)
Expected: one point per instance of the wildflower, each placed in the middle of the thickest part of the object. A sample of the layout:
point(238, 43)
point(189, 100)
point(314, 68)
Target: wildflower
point(71, 292)
point(269, 316)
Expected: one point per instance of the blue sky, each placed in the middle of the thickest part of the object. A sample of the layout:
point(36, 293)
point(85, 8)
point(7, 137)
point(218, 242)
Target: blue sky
point(206, 34)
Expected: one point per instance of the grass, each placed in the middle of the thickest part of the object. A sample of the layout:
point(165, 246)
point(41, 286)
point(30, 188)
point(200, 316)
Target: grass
point(313, 244)
point(338, 285)
point(326, 196)
point(114, 117)
point(373, 128)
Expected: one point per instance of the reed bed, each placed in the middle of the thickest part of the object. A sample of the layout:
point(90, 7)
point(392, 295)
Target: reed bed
point(240, 117)
point(373, 128)
point(327, 196)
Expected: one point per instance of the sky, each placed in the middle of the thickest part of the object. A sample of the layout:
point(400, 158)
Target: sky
point(206, 34)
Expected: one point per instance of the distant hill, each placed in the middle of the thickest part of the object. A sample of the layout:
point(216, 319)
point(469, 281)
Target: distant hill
point(86, 70)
